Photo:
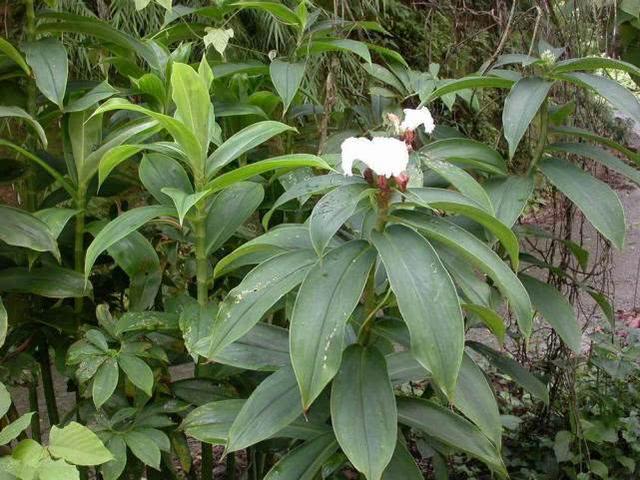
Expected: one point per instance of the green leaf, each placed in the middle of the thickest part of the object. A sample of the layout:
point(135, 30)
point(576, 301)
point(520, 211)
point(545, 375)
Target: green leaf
point(586, 134)
point(211, 422)
point(115, 157)
point(402, 465)
point(450, 201)
point(598, 155)
point(158, 171)
point(20, 113)
point(286, 78)
point(121, 227)
point(466, 152)
point(594, 63)
point(178, 130)
point(556, 310)
point(417, 277)
point(511, 58)
point(520, 375)
point(477, 252)
point(338, 45)
point(332, 211)
point(49, 469)
point(362, 392)
point(240, 143)
point(137, 371)
point(281, 239)
point(327, 297)
point(621, 98)
point(100, 92)
point(245, 304)
point(520, 106)
point(509, 196)
point(273, 405)
point(462, 181)
point(48, 61)
point(105, 382)
point(599, 203)
point(21, 229)
point(490, 318)
point(305, 461)
point(470, 82)
point(11, 52)
point(78, 445)
point(449, 428)
point(146, 322)
point(55, 218)
point(193, 105)
point(403, 368)
point(143, 447)
point(218, 37)
point(229, 210)
point(249, 171)
point(85, 137)
point(183, 201)
point(14, 429)
point(278, 10)
point(264, 348)
point(475, 399)
point(51, 282)
point(4, 326)
point(196, 322)
point(114, 468)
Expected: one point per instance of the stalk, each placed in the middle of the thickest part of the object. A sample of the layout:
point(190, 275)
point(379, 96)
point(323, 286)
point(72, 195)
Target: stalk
point(33, 406)
point(78, 245)
point(47, 385)
point(542, 139)
point(202, 274)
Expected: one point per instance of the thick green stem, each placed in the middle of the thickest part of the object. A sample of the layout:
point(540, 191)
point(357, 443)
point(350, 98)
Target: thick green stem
point(33, 406)
point(47, 385)
point(78, 245)
point(542, 138)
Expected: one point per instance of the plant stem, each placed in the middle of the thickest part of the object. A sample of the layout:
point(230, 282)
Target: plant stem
point(542, 138)
point(47, 385)
point(78, 245)
point(33, 406)
point(231, 464)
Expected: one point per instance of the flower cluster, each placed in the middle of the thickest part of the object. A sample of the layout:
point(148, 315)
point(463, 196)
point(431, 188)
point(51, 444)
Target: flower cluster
point(386, 156)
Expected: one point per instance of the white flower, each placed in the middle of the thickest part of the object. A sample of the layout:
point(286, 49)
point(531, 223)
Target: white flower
point(385, 156)
point(414, 118)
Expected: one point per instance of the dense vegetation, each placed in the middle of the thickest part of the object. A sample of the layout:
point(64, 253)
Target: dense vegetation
point(303, 240)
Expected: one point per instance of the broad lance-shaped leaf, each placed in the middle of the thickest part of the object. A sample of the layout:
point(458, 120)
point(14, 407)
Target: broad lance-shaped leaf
point(477, 252)
point(594, 198)
point(475, 399)
point(50, 66)
point(594, 63)
point(105, 382)
point(332, 211)
point(556, 310)
point(143, 447)
point(509, 196)
point(112, 469)
point(621, 98)
point(519, 374)
point(466, 83)
point(598, 155)
point(344, 45)
point(450, 201)
point(21, 229)
point(304, 462)
point(121, 227)
point(521, 105)
point(15, 428)
point(11, 52)
point(427, 300)
point(240, 143)
point(51, 282)
point(363, 410)
point(273, 405)
point(449, 428)
point(100, 92)
point(588, 135)
point(78, 445)
point(327, 297)
point(158, 171)
point(245, 305)
point(20, 113)
point(85, 136)
point(402, 465)
point(257, 168)
point(211, 422)
point(286, 78)
point(183, 201)
point(138, 372)
point(229, 210)
point(463, 151)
